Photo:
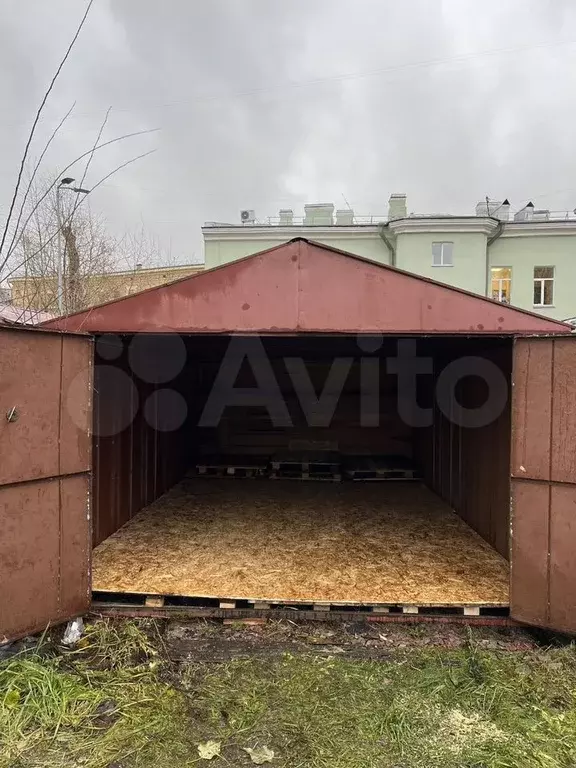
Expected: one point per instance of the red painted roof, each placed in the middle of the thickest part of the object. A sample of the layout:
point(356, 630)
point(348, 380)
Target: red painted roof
point(303, 286)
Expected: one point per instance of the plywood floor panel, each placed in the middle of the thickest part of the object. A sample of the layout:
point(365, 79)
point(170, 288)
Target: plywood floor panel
point(310, 542)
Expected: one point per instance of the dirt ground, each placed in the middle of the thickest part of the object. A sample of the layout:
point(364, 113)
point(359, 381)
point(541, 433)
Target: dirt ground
point(210, 642)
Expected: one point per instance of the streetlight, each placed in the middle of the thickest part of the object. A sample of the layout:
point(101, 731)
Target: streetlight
point(63, 184)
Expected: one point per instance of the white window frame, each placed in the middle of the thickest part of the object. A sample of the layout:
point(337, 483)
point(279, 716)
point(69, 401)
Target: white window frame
point(501, 281)
point(446, 254)
point(541, 281)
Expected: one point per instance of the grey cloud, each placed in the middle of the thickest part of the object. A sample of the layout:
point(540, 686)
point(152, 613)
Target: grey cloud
point(268, 104)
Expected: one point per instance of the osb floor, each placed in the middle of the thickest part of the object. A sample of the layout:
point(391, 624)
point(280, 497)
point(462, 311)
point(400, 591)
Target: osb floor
point(295, 541)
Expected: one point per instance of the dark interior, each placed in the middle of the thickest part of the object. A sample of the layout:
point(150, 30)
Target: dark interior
point(148, 381)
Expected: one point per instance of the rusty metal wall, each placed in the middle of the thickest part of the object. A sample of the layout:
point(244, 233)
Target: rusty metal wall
point(307, 287)
point(134, 463)
point(469, 467)
point(543, 582)
point(45, 463)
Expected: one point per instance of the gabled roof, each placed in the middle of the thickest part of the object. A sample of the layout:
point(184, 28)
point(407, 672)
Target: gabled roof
point(305, 287)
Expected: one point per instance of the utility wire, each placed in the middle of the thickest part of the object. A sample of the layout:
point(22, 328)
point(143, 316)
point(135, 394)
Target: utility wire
point(463, 58)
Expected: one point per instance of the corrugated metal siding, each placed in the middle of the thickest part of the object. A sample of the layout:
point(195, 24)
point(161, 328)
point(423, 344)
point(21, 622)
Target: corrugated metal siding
point(134, 463)
point(468, 467)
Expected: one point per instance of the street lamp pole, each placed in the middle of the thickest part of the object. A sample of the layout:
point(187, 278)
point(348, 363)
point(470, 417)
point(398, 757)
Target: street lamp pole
point(64, 183)
point(60, 257)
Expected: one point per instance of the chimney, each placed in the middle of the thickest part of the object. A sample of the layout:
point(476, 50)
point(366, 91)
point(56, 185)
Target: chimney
point(286, 217)
point(397, 207)
point(319, 214)
point(344, 216)
point(504, 212)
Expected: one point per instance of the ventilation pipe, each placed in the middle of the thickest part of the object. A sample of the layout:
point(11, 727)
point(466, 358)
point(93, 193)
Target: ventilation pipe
point(344, 216)
point(286, 217)
point(319, 214)
point(397, 207)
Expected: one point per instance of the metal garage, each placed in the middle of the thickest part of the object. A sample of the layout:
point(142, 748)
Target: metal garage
point(305, 429)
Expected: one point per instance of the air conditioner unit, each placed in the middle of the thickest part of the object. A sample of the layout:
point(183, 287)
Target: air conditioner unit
point(247, 217)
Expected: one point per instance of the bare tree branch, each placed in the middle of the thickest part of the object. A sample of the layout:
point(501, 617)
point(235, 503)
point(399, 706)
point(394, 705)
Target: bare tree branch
point(61, 172)
point(96, 142)
point(29, 257)
point(34, 172)
point(35, 123)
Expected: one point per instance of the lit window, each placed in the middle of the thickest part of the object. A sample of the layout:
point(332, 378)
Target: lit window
point(442, 254)
point(543, 286)
point(501, 283)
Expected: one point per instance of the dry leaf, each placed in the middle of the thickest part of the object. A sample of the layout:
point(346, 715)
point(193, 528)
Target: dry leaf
point(209, 749)
point(260, 755)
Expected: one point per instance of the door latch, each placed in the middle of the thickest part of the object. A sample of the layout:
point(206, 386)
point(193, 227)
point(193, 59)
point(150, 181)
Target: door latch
point(12, 415)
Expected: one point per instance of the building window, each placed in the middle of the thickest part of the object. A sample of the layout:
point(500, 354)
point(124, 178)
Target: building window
point(501, 284)
point(442, 254)
point(543, 286)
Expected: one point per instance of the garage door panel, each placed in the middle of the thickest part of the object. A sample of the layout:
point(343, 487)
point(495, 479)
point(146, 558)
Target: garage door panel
point(29, 555)
point(30, 389)
point(76, 408)
point(45, 475)
point(543, 565)
point(564, 412)
point(529, 561)
point(531, 409)
point(563, 560)
point(75, 552)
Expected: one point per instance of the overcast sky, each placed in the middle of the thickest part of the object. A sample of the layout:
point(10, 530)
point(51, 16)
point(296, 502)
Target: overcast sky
point(267, 104)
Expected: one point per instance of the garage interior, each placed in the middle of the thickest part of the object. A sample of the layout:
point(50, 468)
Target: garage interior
point(251, 512)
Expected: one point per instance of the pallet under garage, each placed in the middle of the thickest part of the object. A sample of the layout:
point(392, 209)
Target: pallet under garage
point(217, 545)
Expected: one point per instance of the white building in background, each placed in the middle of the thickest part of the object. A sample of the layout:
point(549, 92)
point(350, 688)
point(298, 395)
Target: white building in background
point(527, 259)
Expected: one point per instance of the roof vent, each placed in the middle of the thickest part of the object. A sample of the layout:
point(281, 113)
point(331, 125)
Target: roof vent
point(344, 216)
point(525, 214)
point(286, 217)
point(319, 215)
point(397, 206)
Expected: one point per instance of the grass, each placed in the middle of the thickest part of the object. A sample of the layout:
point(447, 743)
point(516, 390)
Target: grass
point(117, 700)
point(91, 706)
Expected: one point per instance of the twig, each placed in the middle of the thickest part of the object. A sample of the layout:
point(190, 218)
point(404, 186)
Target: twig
point(35, 123)
point(89, 161)
point(34, 172)
point(102, 180)
point(60, 173)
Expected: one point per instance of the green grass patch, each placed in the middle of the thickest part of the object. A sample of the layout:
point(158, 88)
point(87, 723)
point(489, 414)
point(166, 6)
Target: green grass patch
point(117, 700)
point(429, 708)
point(91, 707)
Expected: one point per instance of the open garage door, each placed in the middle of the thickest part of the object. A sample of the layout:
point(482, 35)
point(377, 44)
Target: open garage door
point(543, 565)
point(45, 467)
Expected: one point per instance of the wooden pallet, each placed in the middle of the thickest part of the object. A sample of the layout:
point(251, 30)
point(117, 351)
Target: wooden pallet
point(307, 466)
point(383, 474)
point(254, 606)
point(232, 467)
point(299, 474)
point(375, 468)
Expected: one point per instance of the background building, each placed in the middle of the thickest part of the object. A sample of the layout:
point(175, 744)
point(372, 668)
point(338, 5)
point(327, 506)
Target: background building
point(41, 292)
point(527, 259)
